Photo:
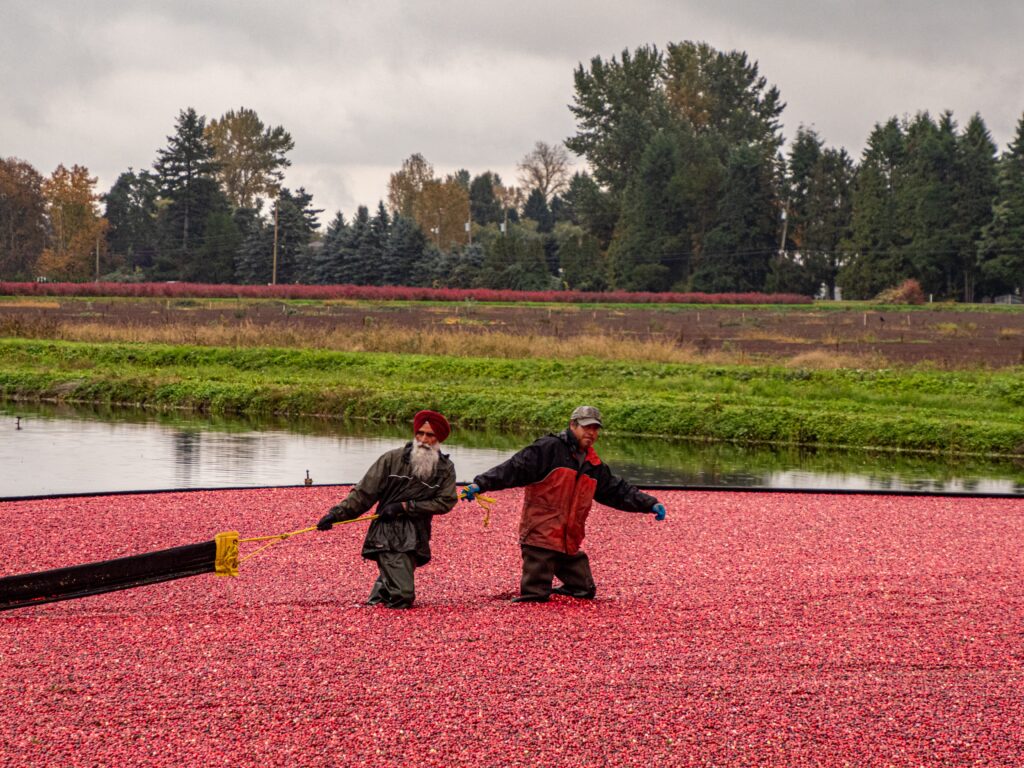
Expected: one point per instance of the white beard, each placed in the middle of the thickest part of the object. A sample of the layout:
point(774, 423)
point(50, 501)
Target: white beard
point(424, 459)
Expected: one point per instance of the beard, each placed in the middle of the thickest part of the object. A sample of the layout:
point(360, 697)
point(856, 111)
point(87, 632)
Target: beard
point(424, 459)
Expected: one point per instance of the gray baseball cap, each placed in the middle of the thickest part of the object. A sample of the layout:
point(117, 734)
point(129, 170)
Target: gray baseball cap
point(586, 415)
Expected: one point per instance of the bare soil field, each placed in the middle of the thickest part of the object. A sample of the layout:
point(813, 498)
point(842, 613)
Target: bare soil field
point(944, 336)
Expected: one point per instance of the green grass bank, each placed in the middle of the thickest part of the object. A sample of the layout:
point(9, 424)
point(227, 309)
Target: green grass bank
point(956, 412)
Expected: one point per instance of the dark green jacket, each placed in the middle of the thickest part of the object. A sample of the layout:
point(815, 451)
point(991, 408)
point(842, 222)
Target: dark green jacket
point(390, 479)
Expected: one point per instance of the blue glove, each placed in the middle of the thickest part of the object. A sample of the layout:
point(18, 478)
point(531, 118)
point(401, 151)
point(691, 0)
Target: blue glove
point(469, 492)
point(659, 511)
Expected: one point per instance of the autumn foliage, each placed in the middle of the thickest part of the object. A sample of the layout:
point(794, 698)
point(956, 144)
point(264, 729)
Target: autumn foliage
point(384, 293)
point(907, 292)
point(77, 232)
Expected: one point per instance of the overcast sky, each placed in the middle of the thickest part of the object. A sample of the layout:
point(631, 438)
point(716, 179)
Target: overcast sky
point(362, 85)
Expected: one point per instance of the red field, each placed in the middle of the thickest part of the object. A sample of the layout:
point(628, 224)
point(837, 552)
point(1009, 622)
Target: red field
point(747, 629)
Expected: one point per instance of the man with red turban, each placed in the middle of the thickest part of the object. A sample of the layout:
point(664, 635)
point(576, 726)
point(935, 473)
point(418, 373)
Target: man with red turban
point(409, 485)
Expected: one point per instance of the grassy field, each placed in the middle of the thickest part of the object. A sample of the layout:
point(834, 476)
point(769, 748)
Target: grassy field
point(957, 412)
point(933, 378)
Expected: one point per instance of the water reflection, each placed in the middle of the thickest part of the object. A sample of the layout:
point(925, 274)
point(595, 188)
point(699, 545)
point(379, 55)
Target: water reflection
point(65, 450)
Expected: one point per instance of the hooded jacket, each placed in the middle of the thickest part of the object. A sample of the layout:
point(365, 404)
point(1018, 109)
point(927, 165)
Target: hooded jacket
point(390, 479)
point(560, 490)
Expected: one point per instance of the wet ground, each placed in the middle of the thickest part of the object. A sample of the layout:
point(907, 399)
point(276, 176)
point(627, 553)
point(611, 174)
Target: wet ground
point(943, 335)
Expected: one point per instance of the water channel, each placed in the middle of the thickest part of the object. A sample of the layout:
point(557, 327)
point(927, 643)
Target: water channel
point(55, 450)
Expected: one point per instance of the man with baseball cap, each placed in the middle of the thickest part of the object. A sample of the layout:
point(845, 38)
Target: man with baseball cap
point(563, 476)
point(409, 485)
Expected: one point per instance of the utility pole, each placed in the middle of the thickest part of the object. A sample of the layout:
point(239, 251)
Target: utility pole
point(97, 258)
point(785, 228)
point(273, 274)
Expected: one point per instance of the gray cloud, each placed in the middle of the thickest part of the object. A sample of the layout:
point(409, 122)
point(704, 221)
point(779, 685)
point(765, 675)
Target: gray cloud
point(362, 85)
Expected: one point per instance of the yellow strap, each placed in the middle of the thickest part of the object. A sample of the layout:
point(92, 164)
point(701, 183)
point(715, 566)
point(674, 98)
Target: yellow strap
point(486, 502)
point(227, 560)
point(226, 563)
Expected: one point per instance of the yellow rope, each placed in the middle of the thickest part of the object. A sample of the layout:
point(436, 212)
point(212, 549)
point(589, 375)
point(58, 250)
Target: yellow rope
point(279, 537)
point(486, 502)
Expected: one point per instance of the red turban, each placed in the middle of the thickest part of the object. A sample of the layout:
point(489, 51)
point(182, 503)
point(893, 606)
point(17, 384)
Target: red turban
point(438, 422)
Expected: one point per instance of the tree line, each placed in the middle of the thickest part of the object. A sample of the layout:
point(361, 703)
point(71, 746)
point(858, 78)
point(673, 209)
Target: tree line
point(688, 187)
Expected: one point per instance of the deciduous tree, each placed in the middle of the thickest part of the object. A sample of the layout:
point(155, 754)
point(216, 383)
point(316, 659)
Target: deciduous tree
point(406, 184)
point(22, 219)
point(76, 234)
point(619, 106)
point(442, 210)
point(545, 168)
point(723, 96)
point(250, 157)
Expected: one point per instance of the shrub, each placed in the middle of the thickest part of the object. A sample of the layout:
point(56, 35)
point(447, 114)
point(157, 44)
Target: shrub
point(907, 292)
point(384, 293)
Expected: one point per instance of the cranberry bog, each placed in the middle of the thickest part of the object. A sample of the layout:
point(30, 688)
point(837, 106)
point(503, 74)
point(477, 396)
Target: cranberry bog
point(833, 334)
point(747, 629)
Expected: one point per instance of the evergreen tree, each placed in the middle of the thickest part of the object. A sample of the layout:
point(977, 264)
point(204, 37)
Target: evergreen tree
point(485, 208)
point(926, 199)
point(803, 162)
point(651, 234)
point(582, 263)
point(254, 259)
point(664, 212)
point(559, 210)
point(325, 266)
point(818, 193)
point(977, 187)
point(536, 208)
point(877, 259)
point(221, 243)
point(296, 224)
point(189, 191)
point(404, 259)
point(1001, 249)
point(461, 267)
point(133, 237)
point(357, 263)
point(516, 261)
point(827, 215)
point(375, 248)
point(592, 208)
point(737, 253)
